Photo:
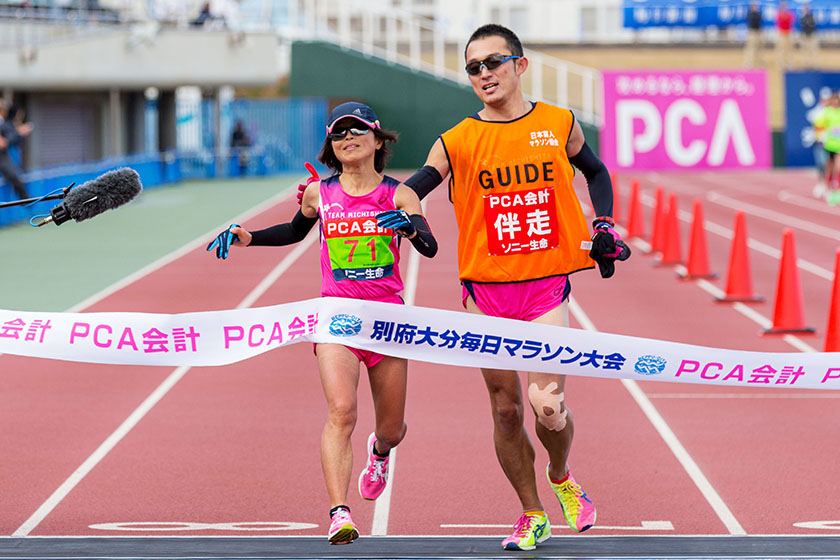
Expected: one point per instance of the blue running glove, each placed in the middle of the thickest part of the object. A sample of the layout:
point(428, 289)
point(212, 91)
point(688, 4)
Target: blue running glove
point(223, 241)
point(397, 220)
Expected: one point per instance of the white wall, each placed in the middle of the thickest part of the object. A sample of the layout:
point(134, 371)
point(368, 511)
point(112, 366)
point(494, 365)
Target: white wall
point(538, 21)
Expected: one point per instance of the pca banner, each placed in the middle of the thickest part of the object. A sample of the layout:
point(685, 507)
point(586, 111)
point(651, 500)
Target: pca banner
point(706, 119)
point(215, 338)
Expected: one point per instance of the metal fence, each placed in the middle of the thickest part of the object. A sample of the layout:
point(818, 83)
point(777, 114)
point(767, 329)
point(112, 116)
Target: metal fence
point(282, 134)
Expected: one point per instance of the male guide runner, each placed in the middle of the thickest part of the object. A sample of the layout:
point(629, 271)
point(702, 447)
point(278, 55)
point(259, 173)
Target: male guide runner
point(521, 233)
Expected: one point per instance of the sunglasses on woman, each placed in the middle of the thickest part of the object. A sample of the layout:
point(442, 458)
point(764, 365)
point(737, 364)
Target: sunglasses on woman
point(491, 63)
point(339, 133)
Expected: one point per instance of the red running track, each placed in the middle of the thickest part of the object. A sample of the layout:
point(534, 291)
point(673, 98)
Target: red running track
point(234, 450)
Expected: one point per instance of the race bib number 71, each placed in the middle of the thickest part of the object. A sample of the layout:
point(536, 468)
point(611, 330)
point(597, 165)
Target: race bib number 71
point(359, 249)
point(521, 222)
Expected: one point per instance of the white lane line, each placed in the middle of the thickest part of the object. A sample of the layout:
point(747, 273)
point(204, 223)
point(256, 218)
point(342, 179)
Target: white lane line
point(278, 270)
point(110, 442)
point(682, 455)
point(755, 316)
point(382, 506)
point(785, 396)
point(727, 233)
point(809, 203)
point(134, 418)
point(199, 241)
point(174, 255)
point(778, 217)
point(706, 489)
point(741, 308)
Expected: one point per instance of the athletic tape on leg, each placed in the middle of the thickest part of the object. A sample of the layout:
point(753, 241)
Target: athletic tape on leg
point(548, 405)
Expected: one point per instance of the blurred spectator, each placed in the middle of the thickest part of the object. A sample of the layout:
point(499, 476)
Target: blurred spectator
point(809, 45)
point(240, 142)
point(752, 48)
point(820, 155)
point(829, 121)
point(784, 25)
point(204, 16)
point(219, 14)
point(11, 135)
point(16, 115)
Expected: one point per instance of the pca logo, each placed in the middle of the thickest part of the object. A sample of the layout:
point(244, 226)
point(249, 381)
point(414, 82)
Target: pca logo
point(345, 325)
point(650, 365)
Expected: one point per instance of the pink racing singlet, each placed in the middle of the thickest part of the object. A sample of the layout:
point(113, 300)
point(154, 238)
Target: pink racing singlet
point(358, 259)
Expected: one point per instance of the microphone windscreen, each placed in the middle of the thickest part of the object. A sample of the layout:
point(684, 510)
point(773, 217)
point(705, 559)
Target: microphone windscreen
point(106, 192)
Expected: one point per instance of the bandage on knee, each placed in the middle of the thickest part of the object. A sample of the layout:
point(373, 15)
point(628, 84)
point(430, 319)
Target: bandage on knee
point(548, 405)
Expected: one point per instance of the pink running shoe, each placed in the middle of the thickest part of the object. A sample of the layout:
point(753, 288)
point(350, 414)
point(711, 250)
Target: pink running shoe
point(342, 528)
point(577, 507)
point(530, 530)
point(373, 479)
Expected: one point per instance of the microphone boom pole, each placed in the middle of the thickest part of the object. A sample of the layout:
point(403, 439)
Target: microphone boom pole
point(25, 201)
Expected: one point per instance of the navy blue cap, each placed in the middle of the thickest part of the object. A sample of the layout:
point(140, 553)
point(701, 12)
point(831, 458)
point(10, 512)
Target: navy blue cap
point(352, 109)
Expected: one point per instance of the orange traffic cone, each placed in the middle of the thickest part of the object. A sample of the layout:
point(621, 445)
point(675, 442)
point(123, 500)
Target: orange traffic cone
point(657, 236)
point(832, 331)
point(672, 243)
point(738, 279)
point(698, 257)
point(616, 215)
point(634, 221)
point(787, 314)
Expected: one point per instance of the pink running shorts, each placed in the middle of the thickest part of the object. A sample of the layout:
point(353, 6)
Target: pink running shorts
point(367, 357)
point(518, 300)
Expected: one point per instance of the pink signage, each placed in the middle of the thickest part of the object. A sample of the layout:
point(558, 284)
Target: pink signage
point(707, 119)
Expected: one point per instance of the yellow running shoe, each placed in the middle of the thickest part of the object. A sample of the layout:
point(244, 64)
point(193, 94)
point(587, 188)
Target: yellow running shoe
point(531, 528)
point(577, 507)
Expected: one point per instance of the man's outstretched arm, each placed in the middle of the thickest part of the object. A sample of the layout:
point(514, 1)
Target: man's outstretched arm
point(428, 177)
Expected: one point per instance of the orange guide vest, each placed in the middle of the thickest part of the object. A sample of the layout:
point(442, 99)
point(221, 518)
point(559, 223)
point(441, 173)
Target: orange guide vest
point(511, 185)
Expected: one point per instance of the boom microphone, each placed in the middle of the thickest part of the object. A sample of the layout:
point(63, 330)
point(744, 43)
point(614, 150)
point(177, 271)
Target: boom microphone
point(108, 191)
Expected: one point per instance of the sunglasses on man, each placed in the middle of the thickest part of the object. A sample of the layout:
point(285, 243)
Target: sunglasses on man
point(491, 63)
point(339, 133)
